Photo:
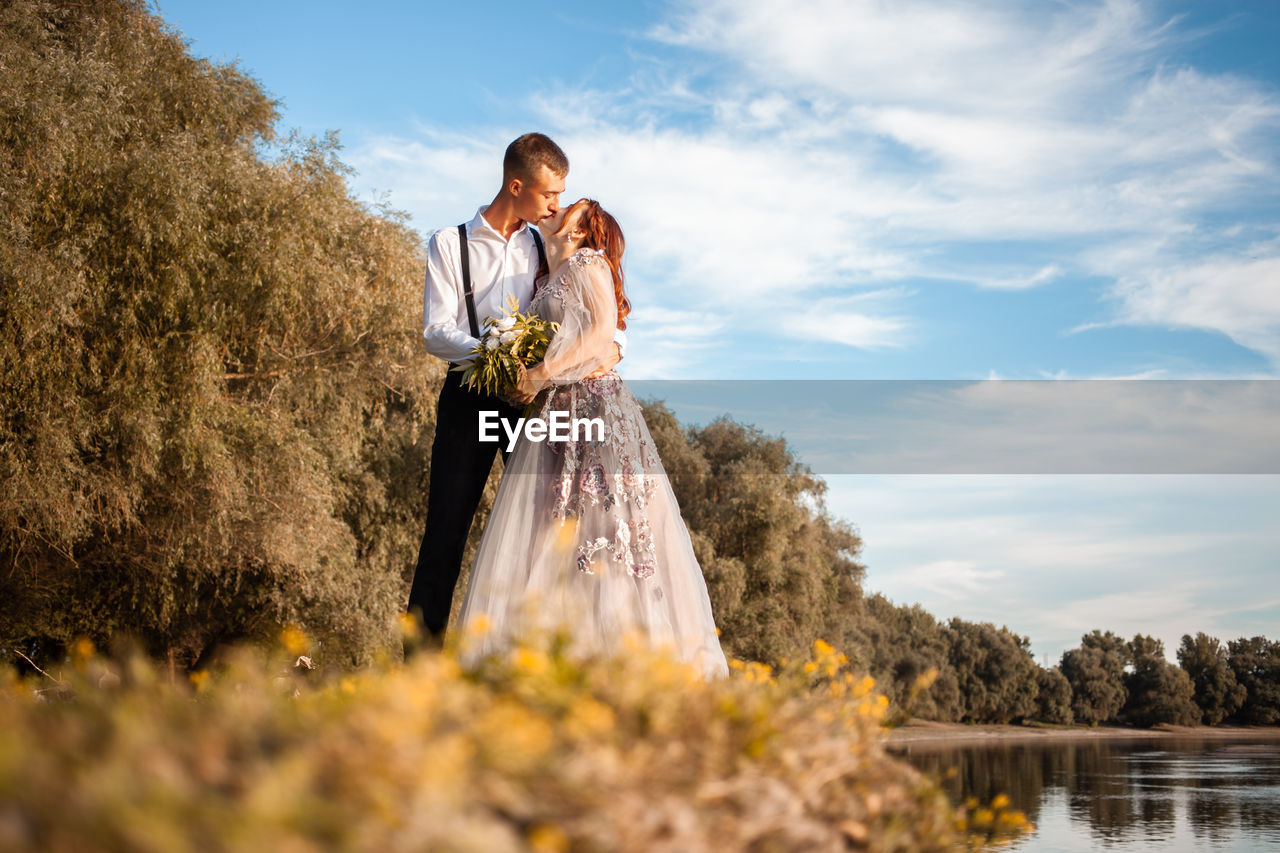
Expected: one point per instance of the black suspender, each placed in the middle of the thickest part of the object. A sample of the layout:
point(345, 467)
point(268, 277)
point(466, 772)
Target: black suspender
point(542, 253)
point(465, 257)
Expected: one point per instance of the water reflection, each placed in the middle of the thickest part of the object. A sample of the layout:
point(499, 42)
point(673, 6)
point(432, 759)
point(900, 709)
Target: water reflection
point(1123, 795)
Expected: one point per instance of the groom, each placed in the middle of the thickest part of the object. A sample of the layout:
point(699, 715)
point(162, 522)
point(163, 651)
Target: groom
point(504, 255)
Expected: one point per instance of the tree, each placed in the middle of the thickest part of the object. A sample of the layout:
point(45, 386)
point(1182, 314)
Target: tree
point(995, 672)
point(1158, 691)
point(1053, 696)
point(903, 645)
point(1255, 662)
point(214, 410)
point(1097, 686)
point(781, 571)
point(1217, 693)
point(1113, 647)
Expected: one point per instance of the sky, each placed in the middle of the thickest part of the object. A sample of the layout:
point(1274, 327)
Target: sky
point(844, 190)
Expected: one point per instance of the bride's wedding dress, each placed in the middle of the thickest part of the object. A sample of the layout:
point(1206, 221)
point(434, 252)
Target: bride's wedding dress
point(586, 533)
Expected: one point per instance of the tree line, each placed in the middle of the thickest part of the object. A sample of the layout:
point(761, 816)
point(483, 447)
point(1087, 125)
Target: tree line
point(780, 569)
point(216, 415)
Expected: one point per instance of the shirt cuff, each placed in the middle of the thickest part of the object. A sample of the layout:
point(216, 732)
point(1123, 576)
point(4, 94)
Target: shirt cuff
point(449, 343)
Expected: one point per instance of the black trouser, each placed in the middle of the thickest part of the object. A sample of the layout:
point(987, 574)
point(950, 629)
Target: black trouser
point(460, 465)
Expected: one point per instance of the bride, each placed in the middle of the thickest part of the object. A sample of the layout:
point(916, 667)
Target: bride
point(586, 534)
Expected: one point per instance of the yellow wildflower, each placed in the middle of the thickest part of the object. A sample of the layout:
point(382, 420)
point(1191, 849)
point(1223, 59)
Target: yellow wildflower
point(566, 536)
point(82, 648)
point(588, 716)
point(408, 626)
point(295, 640)
point(529, 660)
point(548, 837)
point(512, 736)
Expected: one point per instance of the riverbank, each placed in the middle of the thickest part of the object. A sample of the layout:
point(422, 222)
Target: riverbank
point(927, 733)
point(539, 748)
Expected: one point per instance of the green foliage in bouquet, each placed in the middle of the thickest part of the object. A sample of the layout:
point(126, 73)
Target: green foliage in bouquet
point(508, 342)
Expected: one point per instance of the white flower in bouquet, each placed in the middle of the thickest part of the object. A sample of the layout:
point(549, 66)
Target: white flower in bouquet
point(508, 342)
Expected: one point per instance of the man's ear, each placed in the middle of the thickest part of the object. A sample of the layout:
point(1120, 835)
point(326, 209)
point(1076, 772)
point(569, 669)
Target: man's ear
point(514, 186)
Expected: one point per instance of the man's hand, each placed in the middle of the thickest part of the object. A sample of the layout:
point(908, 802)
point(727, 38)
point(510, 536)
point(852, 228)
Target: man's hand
point(614, 357)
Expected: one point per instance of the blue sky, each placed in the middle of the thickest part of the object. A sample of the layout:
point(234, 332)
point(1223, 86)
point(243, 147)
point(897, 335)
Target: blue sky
point(854, 190)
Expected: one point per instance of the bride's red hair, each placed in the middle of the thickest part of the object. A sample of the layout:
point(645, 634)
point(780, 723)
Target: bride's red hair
point(603, 233)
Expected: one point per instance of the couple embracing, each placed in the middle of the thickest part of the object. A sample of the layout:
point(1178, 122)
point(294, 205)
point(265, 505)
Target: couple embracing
point(585, 532)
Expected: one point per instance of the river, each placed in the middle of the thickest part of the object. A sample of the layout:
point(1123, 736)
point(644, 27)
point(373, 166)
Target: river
point(1120, 795)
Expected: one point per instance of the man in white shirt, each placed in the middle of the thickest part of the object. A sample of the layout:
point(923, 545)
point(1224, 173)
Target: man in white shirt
point(505, 256)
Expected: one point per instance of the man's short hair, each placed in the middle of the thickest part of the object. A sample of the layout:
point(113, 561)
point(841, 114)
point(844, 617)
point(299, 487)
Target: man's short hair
point(527, 153)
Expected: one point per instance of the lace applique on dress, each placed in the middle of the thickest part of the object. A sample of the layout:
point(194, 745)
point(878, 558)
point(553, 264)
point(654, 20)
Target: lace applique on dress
point(559, 286)
point(586, 481)
point(632, 545)
point(607, 471)
point(583, 479)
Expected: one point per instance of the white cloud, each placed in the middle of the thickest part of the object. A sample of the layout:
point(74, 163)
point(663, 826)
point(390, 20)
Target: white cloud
point(1017, 427)
point(1044, 275)
point(975, 56)
point(1055, 557)
point(846, 320)
point(801, 149)
point(661, 341)
point(439, 178)
point(1238, 296)
point(950, 577)
point(1166, 612)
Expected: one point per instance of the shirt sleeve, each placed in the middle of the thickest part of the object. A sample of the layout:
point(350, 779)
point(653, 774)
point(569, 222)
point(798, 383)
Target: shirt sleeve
point(620, 338)
point(444, 320)
point(584, 341)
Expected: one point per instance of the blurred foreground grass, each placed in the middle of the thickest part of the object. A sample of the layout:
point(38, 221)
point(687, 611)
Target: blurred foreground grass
point(530, 750)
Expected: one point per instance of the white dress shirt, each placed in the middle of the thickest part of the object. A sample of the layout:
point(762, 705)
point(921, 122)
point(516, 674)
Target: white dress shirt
point(498, 268)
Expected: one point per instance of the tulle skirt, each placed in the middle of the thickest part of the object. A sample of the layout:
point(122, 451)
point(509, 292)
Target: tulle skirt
point(585, 536)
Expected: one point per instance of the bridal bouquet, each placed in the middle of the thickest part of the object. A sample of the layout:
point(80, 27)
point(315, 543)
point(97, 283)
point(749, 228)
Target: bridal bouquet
point(508, 341)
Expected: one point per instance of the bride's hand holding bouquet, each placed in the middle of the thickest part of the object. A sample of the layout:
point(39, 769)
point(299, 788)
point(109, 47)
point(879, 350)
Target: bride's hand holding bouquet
point(510, 344)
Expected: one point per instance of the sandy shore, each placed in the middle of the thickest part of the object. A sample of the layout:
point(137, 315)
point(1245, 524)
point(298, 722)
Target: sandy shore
point(927, 734)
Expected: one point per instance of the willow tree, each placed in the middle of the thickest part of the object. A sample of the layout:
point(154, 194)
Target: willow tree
point(781, 571)
point(1053, 696)
point(214, 397)
point(906, 646)
point(1096, 673)
point(1255, 662)
point(996, 673)
point(1158, 691)
point(1217, 693)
